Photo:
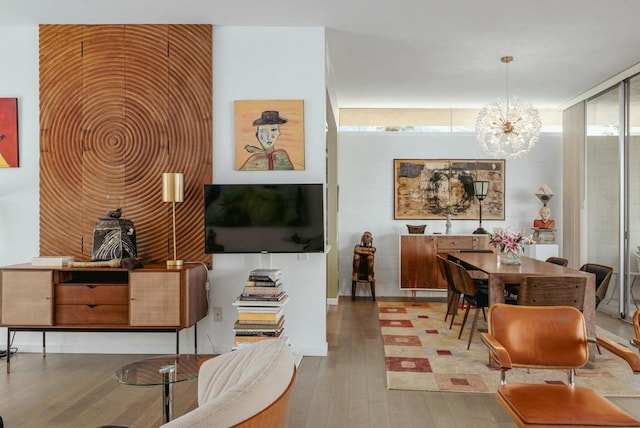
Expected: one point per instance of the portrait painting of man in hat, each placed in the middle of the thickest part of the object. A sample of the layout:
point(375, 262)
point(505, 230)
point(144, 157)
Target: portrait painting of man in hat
point(279, 143)
point(267, 156)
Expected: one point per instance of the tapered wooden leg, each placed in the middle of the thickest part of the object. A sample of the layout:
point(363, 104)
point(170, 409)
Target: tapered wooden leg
point(473, 326)
point(464, 320)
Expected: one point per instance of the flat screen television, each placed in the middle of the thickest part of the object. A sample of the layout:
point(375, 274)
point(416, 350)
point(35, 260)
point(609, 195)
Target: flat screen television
point(264, 218)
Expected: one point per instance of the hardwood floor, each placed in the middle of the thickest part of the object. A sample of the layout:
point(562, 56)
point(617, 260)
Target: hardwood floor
point(346, 388)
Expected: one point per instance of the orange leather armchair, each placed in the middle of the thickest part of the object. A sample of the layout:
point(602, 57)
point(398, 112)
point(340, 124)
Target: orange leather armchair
point(550, 337)
point(636, 327)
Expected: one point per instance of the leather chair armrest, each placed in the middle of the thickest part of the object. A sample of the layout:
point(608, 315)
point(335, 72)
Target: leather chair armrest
point(621, 351)
point(499, 353)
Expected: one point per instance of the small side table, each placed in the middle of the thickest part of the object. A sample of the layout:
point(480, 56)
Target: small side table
point(164, 370)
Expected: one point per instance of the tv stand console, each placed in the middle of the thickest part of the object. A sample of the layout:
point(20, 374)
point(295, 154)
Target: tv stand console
point(150, 299)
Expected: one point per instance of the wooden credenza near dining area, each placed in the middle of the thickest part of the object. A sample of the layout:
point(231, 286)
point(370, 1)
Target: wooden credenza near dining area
point(418, 264)
point(153, 298)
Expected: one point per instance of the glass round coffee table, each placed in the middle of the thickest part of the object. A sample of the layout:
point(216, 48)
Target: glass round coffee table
point(164, 370)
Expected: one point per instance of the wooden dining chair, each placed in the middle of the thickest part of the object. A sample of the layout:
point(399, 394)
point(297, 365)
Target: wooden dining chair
point(557, 261)
point(603, 277)
point(473, 295)
point(550, 337)
point(453, 295)
point(552, 291)
point(512, 289)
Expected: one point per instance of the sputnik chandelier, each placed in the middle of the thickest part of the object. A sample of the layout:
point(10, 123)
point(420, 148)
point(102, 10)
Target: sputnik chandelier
point(508, 128)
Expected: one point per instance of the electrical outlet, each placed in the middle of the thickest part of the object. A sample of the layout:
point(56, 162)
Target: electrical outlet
point(217, 313)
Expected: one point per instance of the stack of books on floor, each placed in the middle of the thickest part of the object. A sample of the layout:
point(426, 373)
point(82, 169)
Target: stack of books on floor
point(260, 308)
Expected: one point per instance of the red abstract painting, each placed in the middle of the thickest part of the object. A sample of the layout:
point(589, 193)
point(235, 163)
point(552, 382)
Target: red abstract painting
point(8, 132)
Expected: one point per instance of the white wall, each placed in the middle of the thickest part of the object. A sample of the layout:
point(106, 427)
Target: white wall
point(365, 177)
point(269, 64)
point(249, 63)
point(19, 198)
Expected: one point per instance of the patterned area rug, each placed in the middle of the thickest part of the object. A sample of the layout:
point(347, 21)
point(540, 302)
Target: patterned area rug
point(421, 353)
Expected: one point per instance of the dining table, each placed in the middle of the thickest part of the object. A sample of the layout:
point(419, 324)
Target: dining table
point(499, 274)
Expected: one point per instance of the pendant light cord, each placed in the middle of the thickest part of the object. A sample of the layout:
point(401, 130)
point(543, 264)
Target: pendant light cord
point(507, 80)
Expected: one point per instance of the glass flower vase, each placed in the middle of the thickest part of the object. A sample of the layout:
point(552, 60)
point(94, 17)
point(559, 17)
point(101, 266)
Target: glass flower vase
point(509, 257)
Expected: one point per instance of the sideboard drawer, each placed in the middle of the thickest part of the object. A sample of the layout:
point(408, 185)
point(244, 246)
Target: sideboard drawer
point(90, 294)
point(92, 314)
point(455, 243)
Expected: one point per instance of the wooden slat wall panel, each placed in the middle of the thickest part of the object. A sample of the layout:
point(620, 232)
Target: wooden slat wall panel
point(103, 126)
point(146, 109)
point(60, 134)
point(120, 105)
point(190, 116)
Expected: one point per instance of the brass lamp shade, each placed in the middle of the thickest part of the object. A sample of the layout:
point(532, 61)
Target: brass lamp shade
point(172, 187)
point(173, 191)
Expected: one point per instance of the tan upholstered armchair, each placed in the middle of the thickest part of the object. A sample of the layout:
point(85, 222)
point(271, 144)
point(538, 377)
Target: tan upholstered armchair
point(250, 387)
point(550, 337)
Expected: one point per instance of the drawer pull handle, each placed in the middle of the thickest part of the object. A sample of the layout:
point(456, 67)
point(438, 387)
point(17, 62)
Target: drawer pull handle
point(92, 286)
point(92, 306)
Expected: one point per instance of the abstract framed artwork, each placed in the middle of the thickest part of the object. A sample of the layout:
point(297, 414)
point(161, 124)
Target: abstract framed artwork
point(269, 135)
point(9, 133)
point(428, 189)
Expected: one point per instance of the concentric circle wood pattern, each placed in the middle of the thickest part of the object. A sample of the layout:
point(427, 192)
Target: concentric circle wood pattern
point(120, 105)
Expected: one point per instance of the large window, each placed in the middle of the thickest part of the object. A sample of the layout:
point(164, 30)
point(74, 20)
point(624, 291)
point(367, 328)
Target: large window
point(612, 190)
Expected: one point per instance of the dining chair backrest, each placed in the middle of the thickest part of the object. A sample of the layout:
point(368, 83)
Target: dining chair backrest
point(603, 277)
point(445, 271)
point(453, 294)
point(462, 280)
point(552, 291)
point(558, 261)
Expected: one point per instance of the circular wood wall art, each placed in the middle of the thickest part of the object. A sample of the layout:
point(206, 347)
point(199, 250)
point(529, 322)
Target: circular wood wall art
point(120, 105)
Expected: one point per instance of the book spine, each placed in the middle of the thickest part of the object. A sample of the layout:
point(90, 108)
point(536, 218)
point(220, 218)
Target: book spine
point(255, 338)
point(255, 333)
point(246, 316)
point(61, 261)
point(259, 304)
point(258, 326)
point(261, 324)
point(262, 290)
point(262, 282)
point(266, 272)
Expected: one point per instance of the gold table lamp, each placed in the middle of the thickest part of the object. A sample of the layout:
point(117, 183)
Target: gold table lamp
point(173, 191)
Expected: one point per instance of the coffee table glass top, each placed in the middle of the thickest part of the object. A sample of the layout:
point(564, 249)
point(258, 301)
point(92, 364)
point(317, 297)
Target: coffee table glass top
point(149, 371)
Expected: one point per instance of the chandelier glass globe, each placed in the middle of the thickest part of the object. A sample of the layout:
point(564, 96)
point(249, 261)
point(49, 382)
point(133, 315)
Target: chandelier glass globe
point(508, 128)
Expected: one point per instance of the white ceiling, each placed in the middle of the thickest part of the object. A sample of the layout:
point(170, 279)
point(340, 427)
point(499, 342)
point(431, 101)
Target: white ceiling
point(411, 53)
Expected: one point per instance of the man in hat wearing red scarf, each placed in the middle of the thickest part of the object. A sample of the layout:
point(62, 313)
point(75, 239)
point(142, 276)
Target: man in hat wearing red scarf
point(267, 157)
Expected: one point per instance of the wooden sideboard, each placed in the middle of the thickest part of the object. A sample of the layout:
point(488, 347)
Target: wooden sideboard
point(418, 263)
point(149, 299)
